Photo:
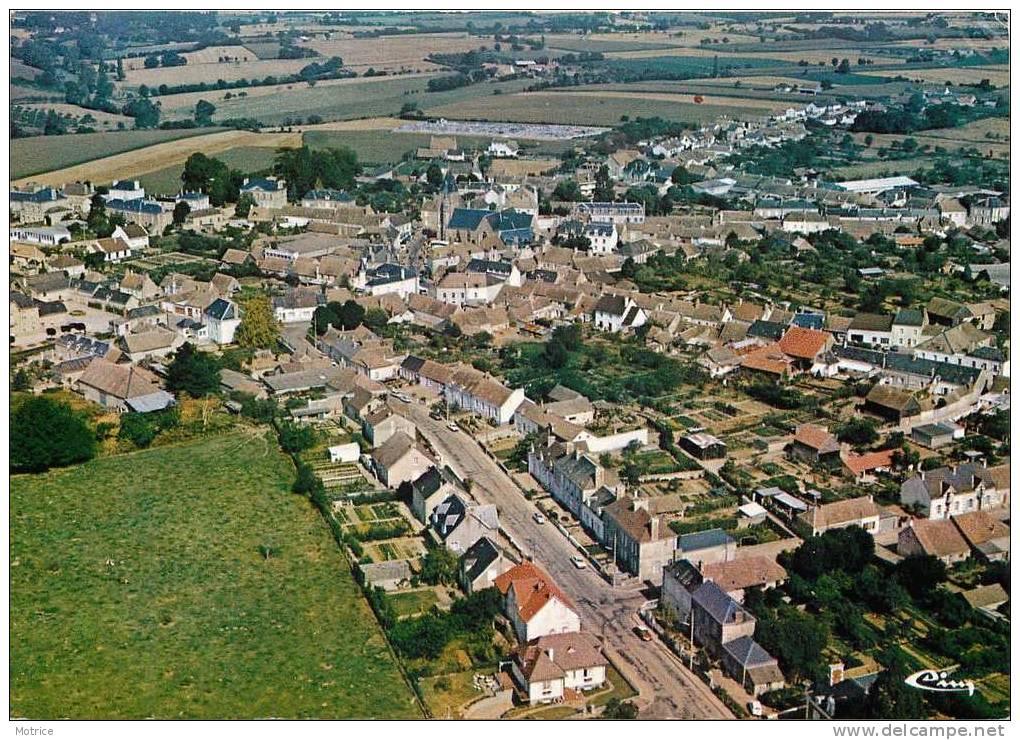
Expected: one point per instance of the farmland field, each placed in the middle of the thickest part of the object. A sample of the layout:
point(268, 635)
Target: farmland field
point(246, 159)
point(372, 97)
point(715, 96)
point(190, 74)
point(997, 75)
point(22, 70)
point(383, 146)
point(182, 105)
point(578, 108)
point(971, 135)
point(160, 156)
point(109, 120)
point(45, 153)
point(134, 598)
point(403, 53)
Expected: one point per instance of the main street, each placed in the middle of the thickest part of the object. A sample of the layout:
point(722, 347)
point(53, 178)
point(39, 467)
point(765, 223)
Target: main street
point(668, 690)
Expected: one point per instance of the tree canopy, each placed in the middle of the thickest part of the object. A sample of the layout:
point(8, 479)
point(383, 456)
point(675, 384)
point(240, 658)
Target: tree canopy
point(258, 328)
point(193, 372)
point(48, 434)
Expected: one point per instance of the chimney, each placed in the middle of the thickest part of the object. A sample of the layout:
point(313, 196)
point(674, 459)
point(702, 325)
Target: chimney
point(551, 653)
point(654, 526)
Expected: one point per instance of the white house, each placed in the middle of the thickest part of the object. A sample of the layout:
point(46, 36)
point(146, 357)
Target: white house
point(602, 237)
point(344, 453)
point(467, 288)
point(502, 149)
point(195, 201)
point(805, 222)
point(134, 235)
point(545, 667)
point(222, 317)
point(534, 604)
point(480, 394)
point(615, 313)
point(49, 236)
point(125, 190)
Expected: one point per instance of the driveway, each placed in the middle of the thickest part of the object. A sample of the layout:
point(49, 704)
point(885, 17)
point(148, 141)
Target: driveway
point(667, 689)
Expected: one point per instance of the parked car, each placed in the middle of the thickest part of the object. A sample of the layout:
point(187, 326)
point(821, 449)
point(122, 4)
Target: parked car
point(644, 633)
point(537, 516)
point(453, 427)
point(754, 707)
point(579, 562)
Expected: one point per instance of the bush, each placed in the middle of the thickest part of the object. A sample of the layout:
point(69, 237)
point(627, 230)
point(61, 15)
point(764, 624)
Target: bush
point(295, 438)
point(48, 434)
point(142, 429)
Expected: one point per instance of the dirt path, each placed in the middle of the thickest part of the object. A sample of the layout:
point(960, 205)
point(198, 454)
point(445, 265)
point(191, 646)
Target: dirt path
point(147, 159)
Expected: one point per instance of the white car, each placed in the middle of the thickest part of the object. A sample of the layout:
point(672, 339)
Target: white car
point(578, 562)
point(453, 427)
point(539, 519)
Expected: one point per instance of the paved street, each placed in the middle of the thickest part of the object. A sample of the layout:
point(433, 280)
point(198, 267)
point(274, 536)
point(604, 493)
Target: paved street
point(668, 689)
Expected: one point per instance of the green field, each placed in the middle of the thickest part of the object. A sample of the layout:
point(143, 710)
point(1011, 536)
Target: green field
point(332, 102)
point(389, 147)
point(690, 66)
point(247, 159)
point(582, 110)
point(138, 590)
point(37, 154)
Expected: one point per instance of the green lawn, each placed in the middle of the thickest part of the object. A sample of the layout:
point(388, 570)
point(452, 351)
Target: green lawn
point(138, 590)
point(569, 107)
point(37, 154)
point(410, 603)
point(247, 159)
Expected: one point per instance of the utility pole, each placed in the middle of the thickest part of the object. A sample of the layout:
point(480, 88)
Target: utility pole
point(690, 663)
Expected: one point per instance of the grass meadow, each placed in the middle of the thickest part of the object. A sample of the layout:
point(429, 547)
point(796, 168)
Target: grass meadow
point(140, 588)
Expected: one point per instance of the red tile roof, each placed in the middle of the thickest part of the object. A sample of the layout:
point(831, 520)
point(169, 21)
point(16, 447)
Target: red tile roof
point(858, 464)
point(533, 589)
point(816, 437)
point(805, 344)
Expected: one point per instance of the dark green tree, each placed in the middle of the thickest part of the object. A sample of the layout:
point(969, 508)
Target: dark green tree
point(204, 112)
point(193, 372)
point(48, 434)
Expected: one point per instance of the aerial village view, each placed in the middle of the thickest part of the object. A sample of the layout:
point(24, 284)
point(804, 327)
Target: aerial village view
point(509, 365)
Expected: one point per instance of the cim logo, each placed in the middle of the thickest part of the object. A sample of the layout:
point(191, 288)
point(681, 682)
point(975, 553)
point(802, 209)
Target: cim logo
point(929, 680)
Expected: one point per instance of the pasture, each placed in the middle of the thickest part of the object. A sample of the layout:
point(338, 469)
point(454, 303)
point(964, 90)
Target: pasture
point(21, 70)
point(583, 108)
point(365, 97)
point(102, 118)
point(203, 589)
point(997, 75)
point(46, 153)
point(404, 53)
point(246, 159)
point(182, 105)
point(383, 146)
point(191, 74)
point(159, 156)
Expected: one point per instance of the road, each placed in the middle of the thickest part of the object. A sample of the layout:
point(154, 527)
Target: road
point(667, 689)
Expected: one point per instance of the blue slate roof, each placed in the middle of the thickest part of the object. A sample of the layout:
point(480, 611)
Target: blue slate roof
point(510, 220)
point(329, 194)
point(137, 205)
point(389, 273)
point(221, 309)
point(766, 329)
point(718, 604)
point(810, 320)
point(702, 540)
point(43, 195)
point(467, 218)
point(261, 183)
point(748, 653)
